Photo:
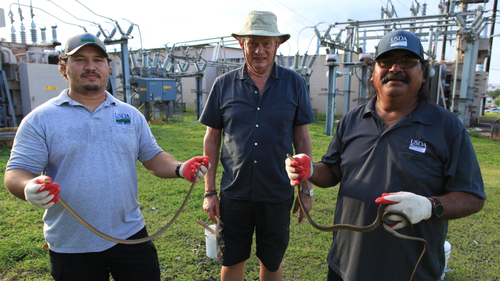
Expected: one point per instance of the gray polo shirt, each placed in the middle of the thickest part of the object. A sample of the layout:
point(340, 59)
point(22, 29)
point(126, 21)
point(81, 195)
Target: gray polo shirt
point(429, 153)
point(257, 131)
point(93, 156)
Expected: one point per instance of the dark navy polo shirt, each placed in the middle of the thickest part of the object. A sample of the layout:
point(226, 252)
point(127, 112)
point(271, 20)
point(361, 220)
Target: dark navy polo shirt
point(427, 152)
point(257, 131)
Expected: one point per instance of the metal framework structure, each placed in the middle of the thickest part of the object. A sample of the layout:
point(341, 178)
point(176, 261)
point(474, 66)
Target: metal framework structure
point(463, 27)
point(178, 61)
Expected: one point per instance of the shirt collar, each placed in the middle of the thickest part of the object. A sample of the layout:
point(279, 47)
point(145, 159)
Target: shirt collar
point(277, 72)
point(420, 114)
point(63, 98)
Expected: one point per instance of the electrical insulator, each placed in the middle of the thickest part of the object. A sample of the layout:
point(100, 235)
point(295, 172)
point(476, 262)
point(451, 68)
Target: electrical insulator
point(309, 66)
point(155, 59)
point(54, 33)
point(134, 59)
point(34, 38)
point(23, 34)
point(145, 60)
point(13, 34)
point(42, 33)
point(297, 60)
point(167, 61)
point(281, 59)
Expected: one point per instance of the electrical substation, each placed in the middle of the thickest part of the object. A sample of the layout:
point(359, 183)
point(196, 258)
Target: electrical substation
point(161, 82)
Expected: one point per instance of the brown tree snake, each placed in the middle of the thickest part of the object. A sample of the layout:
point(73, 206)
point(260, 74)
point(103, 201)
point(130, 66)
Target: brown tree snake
point(381, 214)
point(129, 241)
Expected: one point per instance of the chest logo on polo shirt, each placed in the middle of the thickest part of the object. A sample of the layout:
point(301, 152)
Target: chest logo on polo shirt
point(122, 118)
point(417, 145)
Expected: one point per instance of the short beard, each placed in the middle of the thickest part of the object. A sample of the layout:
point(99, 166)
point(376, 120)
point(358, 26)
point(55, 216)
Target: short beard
point(389, 76)
point(91, 87)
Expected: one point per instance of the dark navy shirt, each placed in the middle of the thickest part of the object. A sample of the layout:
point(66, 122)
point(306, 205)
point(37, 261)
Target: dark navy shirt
point(257, 131)
point(427, 152)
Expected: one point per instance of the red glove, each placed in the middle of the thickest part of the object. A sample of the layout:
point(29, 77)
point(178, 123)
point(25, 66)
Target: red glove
point(188, 168)
point(416, 207)
point(42, 192)
point(301, 168)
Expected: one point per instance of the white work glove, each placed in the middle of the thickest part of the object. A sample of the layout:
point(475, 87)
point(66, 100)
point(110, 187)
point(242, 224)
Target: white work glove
point(416, 207)
point(188, 168)
point(42, 192)
point(299, 169)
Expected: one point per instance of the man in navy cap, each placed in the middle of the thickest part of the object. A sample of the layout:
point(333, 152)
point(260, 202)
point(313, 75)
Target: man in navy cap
point(88, 143)
point(403, 150)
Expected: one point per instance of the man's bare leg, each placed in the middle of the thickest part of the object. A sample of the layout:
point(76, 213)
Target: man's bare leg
point(233, 273)
point(266, 275)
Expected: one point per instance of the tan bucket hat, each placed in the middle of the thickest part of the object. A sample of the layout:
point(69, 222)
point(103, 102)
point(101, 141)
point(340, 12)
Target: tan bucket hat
point(260, 23)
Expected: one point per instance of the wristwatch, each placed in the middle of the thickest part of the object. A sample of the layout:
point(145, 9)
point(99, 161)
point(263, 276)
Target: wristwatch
point(210, 193)
point(309, 192)
point(177, 170)
point(437, 208)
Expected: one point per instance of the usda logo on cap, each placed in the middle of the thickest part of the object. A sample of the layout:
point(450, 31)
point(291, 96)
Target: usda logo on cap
point(399, 41)
point(87, 38)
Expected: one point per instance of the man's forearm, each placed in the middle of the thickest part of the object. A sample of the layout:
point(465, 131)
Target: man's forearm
point(211, 148)
point(460, 204)
point(15, 181)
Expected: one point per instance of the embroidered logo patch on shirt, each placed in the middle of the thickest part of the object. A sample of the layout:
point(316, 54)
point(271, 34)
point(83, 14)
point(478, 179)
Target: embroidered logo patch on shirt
point(417, 145)
point(122, 118)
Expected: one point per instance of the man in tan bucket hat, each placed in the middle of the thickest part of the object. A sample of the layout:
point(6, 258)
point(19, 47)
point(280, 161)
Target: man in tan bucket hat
point(260, 112)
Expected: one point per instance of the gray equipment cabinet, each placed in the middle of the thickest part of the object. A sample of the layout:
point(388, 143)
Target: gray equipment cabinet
point(156, 89)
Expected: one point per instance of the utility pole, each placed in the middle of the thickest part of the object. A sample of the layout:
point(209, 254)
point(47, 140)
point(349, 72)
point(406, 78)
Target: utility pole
point(492, 31)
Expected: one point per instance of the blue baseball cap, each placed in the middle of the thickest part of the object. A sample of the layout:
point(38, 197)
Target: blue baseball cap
point(400, 40)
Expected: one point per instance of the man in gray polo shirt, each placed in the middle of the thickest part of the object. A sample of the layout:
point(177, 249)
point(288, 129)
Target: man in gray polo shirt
point(88, 143)
point(399, 149)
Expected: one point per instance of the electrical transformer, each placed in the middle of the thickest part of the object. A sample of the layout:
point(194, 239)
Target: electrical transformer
point(39, 83)
point(156, 89)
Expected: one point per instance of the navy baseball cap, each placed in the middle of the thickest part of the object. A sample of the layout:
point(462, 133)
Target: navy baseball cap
point(400, 40)
point(76, 42)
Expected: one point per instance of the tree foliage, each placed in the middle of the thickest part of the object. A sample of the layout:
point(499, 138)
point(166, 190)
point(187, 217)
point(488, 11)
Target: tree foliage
point(494, 94)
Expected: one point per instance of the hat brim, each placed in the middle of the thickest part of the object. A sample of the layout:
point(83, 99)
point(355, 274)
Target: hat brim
point(261, 33)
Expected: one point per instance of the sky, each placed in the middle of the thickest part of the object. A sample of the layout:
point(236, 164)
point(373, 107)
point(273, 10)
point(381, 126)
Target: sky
point(159, 23)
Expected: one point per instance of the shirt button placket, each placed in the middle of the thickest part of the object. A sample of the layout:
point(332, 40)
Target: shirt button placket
point(256, 125)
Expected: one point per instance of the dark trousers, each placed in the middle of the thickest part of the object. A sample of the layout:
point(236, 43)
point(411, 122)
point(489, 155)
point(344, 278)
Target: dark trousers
point(123, 262)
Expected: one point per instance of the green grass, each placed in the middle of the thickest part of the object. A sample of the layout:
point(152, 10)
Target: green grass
point(491, 115)
point(475, 253)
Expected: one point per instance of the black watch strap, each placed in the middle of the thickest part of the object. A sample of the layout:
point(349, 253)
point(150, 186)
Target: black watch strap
point(437, 208)
point(210, 193)
point(177, 170)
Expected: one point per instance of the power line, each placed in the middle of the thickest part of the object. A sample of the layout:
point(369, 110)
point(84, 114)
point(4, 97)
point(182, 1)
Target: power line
point(403, 5)
point(278, 7)
point(294, 13)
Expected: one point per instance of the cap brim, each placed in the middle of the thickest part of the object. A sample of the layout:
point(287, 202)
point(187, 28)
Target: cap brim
point(87, 44)
point(393, 49)
point(262, 33)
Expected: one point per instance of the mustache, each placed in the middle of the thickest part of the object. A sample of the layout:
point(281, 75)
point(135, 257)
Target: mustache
point(390, 76)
